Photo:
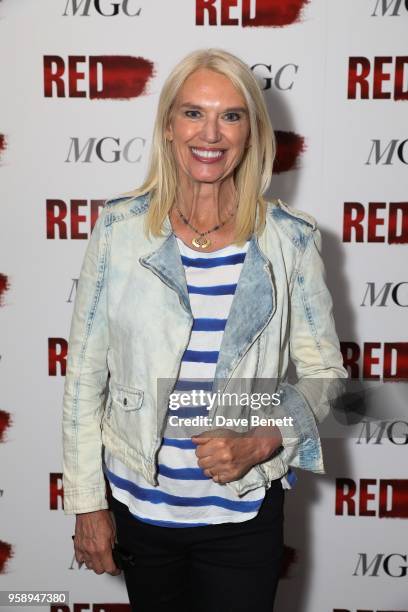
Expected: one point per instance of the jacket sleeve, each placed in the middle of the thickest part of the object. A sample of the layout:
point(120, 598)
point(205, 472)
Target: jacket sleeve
point(85, 382)
point(315, 352)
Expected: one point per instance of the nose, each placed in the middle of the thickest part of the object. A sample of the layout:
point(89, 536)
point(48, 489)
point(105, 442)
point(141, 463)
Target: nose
point(211, 130)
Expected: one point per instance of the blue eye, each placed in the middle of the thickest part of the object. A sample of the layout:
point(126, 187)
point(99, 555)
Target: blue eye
point(231, 117)
point(191, 111)
point(235, 116)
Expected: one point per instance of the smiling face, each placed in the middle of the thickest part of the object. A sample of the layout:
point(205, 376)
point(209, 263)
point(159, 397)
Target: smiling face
point(209, 128)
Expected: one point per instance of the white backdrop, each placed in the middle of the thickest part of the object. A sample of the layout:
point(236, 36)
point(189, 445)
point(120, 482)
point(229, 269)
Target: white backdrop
point(334, 561)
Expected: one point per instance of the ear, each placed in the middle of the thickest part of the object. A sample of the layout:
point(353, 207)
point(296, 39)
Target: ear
point(168, 133)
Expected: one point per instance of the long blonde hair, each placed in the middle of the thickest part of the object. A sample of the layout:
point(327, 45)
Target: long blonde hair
point(253, 174)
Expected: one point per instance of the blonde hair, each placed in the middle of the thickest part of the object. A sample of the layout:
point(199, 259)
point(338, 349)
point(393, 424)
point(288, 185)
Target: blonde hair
point(254, 172)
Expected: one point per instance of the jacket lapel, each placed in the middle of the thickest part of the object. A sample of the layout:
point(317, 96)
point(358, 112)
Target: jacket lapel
point(252, 307)
point(166, 263)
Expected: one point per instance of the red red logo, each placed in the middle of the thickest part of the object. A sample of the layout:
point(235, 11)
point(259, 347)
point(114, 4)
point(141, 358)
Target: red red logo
point(289, 148)
point(252, 13)
point(4, 286)
point(6, 553)
point(387, 361)
point(376, 222)
point(3, 143)
point(378, 78)
point(74, 220)
point(5, 423)
point(117, 77)
point(56, 491)
point(57, 356)
point(385, 498)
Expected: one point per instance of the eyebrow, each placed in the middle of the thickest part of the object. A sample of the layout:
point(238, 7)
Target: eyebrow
point(235, 109)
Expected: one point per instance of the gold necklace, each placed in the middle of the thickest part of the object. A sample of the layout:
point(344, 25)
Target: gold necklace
point(202, 242)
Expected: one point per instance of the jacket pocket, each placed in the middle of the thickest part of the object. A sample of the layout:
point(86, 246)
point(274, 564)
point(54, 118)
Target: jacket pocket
point(129, 398)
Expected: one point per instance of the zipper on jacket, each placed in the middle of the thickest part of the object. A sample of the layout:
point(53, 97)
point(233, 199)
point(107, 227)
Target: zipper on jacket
point(175, 377)
point(109, 410)
point(266, 266)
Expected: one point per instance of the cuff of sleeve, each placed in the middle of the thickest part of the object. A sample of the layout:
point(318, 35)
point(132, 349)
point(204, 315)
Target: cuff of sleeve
point(77, 501)
point(300, 440)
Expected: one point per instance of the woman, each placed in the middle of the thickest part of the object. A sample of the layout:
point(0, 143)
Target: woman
point(194, 282)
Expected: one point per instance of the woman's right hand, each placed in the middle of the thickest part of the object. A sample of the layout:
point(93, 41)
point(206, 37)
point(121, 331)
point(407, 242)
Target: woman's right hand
point(94, 540)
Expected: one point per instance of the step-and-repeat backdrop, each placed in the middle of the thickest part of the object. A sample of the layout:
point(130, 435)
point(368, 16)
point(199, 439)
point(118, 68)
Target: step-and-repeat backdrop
point(80, 81)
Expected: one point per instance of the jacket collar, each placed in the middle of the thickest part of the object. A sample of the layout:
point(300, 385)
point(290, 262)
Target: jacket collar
point(253, 305)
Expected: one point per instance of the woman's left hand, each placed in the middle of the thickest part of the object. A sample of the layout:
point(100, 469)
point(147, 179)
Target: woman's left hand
point(227, 455)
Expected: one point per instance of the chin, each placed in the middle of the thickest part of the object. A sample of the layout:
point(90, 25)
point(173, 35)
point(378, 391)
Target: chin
point(206, 178)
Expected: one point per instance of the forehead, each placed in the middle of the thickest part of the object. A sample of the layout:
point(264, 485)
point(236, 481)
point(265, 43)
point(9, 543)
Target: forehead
point(208, 85)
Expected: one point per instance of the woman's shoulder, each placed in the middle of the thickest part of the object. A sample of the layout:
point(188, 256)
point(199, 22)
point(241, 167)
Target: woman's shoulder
point(124, 205)
point(295, 224)
point(281, 212)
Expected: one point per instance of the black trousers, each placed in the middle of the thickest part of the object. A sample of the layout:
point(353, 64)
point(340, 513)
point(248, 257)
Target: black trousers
point(231, 567)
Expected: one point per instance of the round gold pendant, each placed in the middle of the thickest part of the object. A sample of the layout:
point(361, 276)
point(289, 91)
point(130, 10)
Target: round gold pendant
point(201, 242)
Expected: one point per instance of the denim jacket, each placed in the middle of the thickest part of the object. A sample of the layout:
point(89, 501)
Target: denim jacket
point(131, 324)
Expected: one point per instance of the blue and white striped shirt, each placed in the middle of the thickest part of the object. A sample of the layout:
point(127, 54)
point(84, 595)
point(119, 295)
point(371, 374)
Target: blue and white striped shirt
point(185, 496)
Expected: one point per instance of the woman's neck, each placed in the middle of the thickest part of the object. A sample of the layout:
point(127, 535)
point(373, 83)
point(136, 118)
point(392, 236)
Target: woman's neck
point(205, 205)
point(199, 209)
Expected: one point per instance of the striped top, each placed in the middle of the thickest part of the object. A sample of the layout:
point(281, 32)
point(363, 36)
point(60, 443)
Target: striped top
point(185, 496)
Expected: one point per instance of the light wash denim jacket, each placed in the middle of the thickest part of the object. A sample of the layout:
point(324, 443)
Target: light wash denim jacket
point(131, 324)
